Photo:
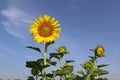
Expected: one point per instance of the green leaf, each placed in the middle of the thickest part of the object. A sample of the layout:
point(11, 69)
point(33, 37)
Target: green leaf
point(102, 72)
point(68, 61)
point(82, 65)
point(65, 71)
point(30, 78)
point(74, 77)
point(41, 61)
point(81, 72)
point(45, 66)
point(51, 42)
point(34, 48)
point(49, 75)
point(55, 55)
point(53, 63)
point(31, 64)
point(91, 57)
point(35, 64)
point(34, 71)
point(102, 65)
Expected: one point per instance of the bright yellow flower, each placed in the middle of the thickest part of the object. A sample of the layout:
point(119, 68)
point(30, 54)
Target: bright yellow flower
point(99, 51)
point(45, 29)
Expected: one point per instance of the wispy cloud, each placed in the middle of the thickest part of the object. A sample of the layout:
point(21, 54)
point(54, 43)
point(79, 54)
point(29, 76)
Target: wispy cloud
point(17, 21)
point(74, 4)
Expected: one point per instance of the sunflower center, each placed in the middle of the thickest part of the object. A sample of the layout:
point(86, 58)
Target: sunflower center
point(62, 50)
point(100, 51)
point(45, 31)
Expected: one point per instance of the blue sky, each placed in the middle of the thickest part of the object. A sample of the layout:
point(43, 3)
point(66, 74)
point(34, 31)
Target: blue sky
point(84, 23)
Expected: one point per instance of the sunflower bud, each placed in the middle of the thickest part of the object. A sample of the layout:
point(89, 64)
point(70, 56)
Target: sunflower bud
point(34, 72)
point(62, 49)
point(99, 51)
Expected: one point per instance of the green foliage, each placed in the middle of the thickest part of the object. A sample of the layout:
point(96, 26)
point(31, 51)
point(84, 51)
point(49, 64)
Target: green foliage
point(91, 71)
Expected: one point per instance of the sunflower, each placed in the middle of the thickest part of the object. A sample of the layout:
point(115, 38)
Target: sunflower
point(69, 71)
point(88, 65)
point(62, 49)
point(45, 29)
point(67, 65)
point(99, 51)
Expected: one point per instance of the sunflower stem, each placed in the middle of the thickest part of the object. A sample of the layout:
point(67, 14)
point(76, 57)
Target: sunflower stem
point(95, 59)
point(36, 77)
point(60, 66)
point(44, 55)
point(88, 77)
point(61, 63)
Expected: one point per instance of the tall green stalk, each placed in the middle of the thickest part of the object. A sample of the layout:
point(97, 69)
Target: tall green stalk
point(88, 77)
point(95, 57)
point(37, 77)
point(60, 66)
point(61, 63)
point(45, 61)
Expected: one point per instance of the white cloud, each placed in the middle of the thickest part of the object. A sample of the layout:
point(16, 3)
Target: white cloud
point(13, 14)
point(17, 21)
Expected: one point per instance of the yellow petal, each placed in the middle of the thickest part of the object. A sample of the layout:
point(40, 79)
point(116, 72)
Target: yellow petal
point(55, 22)
point(37, 21)
point(52, 19)
point(57, 29)
point(41, 19)
point(46, 17)
point(57, 25)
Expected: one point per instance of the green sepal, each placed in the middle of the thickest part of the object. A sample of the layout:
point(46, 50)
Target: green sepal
point(49, 43)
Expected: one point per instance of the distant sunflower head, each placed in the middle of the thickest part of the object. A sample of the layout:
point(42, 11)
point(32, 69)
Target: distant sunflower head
point(88, 65)
point(69, 71)
point(99, 51)
point(62, 49)
point(67, 65)
point(45, 29)
point(34, 72)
